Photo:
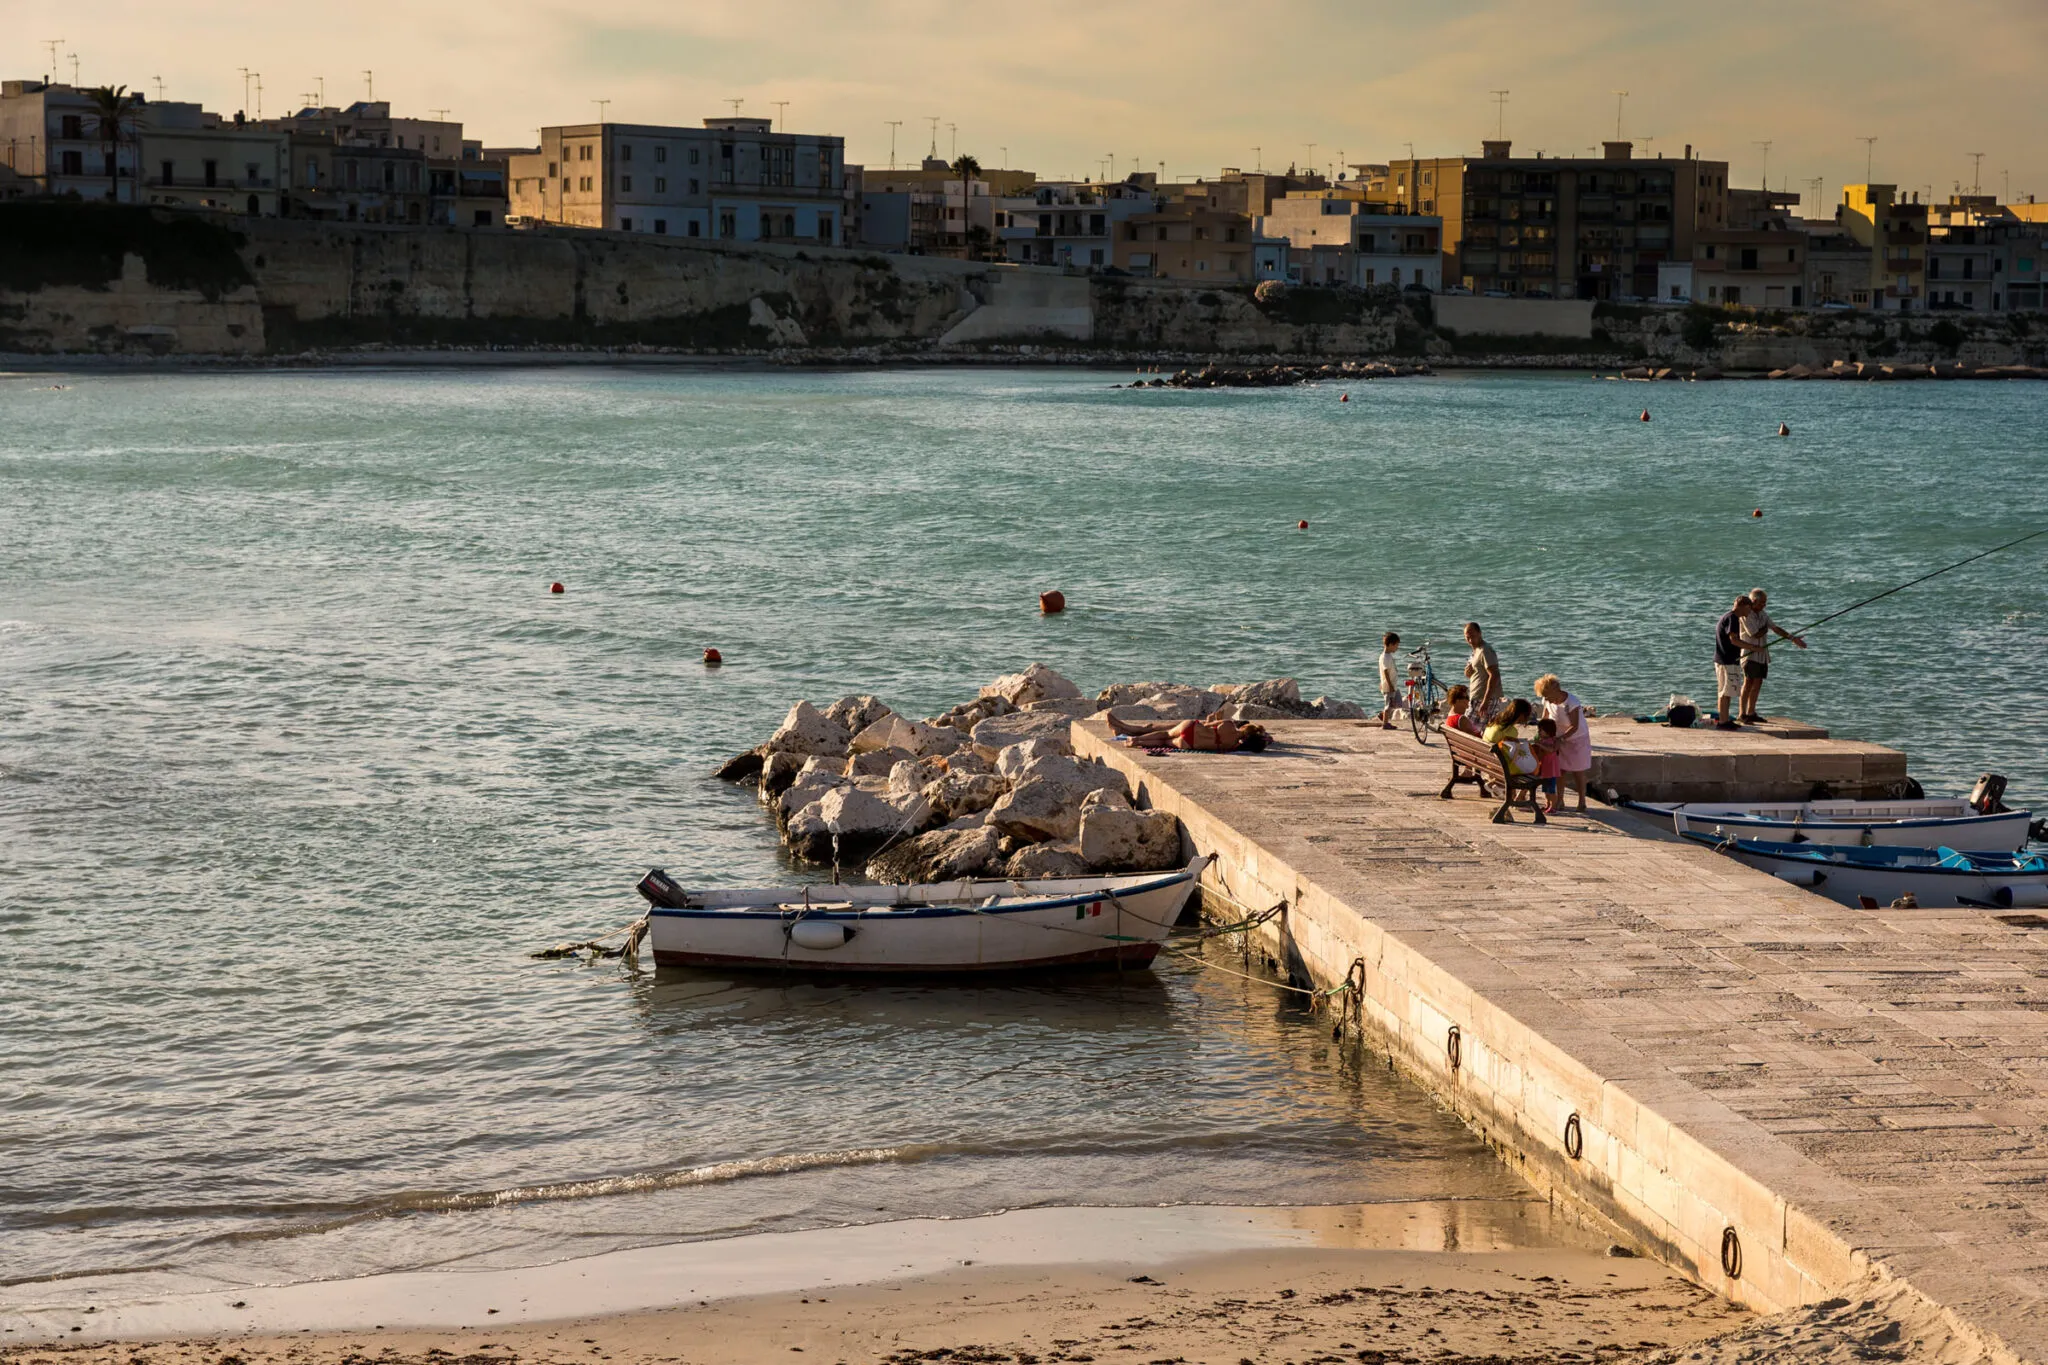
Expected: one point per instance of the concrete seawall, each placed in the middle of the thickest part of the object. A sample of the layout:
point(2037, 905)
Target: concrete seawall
point(1788, 1099)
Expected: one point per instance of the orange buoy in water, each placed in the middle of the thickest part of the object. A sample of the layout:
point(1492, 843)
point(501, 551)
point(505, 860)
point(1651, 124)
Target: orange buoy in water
point(556, 587)
point(712, 658)
point(1052, 603)
point(1758, 512)
point(1645, 417)
point(1784, 429)
point(1345, 399)
point(1301, 526)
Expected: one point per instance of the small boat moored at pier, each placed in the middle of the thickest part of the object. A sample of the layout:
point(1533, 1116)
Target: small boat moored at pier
point(1927, 822)
point(1933, 877)
point(959, 926)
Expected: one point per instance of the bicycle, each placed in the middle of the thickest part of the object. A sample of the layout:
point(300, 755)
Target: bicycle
point(1426, 694)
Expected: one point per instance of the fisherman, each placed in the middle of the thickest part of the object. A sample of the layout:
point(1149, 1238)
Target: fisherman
point(1757, 629)
point(1728, 661)
point(1483, 671)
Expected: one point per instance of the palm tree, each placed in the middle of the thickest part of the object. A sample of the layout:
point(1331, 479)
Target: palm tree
point(115, 108)
point(966, 167)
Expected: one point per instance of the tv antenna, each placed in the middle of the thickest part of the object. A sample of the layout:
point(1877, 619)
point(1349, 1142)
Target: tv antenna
point(1310, 166)
point(1766, 145)
point(735, 105)
point(53, 44)
point(1869, 151)
point(258, 76)
point(1500, 115)
point(1620, 98)
point(1258, 159)
point(933, 120)
point(1977, 173)
point(603, 108)
point(894, 124)
point(74, 66)
point(370, 87)
point(245, 85)
point(1112, 165)
point(159, 82)
point(1816, 181)
point(953, 131)
point(781, 117)
point(320, 90)
point(441, 114)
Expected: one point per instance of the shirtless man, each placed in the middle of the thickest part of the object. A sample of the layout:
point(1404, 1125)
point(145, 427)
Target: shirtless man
point(1214, 733)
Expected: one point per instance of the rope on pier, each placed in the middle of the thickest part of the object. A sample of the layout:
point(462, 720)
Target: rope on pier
point(599, 949)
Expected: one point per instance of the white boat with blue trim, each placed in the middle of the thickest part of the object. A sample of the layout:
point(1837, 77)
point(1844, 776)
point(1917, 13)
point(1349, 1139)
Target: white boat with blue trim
point(1927, 822)
point(960, 926)
point(1881, 876)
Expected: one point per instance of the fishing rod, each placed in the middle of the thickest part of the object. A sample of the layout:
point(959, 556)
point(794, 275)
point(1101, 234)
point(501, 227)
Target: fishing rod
point(2031, 535)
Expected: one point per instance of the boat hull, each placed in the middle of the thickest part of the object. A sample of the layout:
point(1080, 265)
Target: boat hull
point(959, 927)
point(1927, 823)
point(1881, 874)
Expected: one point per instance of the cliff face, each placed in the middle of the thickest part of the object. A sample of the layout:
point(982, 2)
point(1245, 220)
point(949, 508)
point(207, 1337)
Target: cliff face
point(97, 278)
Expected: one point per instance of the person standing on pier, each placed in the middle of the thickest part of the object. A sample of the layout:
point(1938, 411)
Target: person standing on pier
point(1483, 669)
point(1728, 661)
point(1574, 739)
point(1756, 653)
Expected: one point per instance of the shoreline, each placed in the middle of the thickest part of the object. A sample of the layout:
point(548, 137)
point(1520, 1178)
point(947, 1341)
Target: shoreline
point(1411, 1281)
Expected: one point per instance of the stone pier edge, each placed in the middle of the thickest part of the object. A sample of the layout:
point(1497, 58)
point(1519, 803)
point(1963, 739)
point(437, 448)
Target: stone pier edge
point(1659, 1157)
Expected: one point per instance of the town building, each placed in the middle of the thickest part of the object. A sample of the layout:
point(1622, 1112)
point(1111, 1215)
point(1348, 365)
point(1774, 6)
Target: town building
point(1837, 267)
point(1337, 236)
point(192, 158)
point(1563, 227)
point(1077, 224)
point(932, 211)
point(1759, 260)
point(2020, 267)
point(1893, 229)
point(1962, 253)
point(734, 179)
point(53, 138)
point(1186, 242)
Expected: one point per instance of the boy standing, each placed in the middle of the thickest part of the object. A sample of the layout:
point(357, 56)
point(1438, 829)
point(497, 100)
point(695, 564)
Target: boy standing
point(1390, 686)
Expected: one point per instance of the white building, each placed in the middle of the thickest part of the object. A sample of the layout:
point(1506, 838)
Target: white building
point(1069, 223)
point(1338, 237)
point(734, 179)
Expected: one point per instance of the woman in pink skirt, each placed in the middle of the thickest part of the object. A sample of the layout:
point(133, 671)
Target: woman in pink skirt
point(1574, 740)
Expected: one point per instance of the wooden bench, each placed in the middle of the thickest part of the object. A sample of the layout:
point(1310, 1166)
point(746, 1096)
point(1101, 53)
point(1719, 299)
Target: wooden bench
point(1474, 760)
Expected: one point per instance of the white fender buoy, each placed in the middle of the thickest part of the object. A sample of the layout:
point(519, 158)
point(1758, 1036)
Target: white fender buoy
point(819, 934)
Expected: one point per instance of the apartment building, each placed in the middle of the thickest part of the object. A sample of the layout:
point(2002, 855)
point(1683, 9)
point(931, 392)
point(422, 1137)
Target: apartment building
point(1337, 236)
point(1893, 229)
point(1077, 224)
point(1186, 243)
point(51, 137)
point(1563, 227)
point(932, 211)
point(734, 179)
point(189, 157)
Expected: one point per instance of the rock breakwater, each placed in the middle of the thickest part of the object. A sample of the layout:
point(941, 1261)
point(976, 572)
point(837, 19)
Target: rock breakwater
point(990, 787)
point(1277, 376)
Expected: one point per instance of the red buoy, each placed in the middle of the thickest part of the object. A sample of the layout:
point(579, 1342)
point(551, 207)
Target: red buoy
point(1052, 603)
point(1345, 399)
point(556, 587)
point(712, 658)
point(1646, 415)
point(1758, 512)
point(1301, 526)
point(1784, 429)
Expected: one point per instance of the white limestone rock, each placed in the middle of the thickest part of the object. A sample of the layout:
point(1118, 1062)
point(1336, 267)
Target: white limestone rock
point(998, 733)
point(1330, 708)
point(912, 736)
point(912, 775)
point(860, 821)
point(1046, 801)
point(1011, 762)
point(777, 772)
point(875, 762)
point(967, 760)
point(1163, 702)
point(807, 730)
point(1107, 798)
point(857, 713)
point(939, 855)
point(1073, 708)
point(1046, 860)
point(967, 715)
point(1126, 840)
point(809, 787)
point(1036, 683)
point(958, 794)
point(1280, 694)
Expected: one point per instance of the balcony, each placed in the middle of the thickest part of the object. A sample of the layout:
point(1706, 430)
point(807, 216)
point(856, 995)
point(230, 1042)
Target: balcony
point(157, 182)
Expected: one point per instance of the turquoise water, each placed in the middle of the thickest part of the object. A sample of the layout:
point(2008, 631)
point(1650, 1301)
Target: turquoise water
point(299, 758)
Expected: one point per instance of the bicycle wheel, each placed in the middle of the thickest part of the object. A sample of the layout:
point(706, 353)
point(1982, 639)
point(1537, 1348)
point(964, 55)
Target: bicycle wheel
point(1424, 714)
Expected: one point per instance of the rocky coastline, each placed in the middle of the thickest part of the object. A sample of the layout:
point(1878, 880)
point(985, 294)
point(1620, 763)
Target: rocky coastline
point(990, 787)
point(1277, 376)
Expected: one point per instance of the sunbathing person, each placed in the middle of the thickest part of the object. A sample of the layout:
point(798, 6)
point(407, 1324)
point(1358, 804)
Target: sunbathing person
point(1215, 733)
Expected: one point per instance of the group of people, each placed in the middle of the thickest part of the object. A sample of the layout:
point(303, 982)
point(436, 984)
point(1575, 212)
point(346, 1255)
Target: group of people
point(1559, 748)
point(1742, 657)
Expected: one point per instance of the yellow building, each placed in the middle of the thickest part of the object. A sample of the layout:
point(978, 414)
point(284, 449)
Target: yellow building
point(1895, 230)
point(1186, 243)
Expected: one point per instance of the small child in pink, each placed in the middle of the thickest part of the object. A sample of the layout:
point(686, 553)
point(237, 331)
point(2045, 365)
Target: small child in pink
point(1548, 761)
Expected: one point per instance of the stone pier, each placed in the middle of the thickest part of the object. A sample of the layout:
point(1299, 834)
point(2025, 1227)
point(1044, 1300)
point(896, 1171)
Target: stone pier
point(1789, 1099)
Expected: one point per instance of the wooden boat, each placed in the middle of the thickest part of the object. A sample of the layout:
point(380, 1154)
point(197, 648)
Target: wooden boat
point(1928, 822)
point(1882, 874)
point(959, 926)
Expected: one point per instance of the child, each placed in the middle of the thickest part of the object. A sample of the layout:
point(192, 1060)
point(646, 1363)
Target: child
point(1545, 747)
point(1390, 687)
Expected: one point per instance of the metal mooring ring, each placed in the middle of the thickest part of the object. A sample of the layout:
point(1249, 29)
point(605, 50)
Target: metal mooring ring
point(1574, 1139)
point(1731, 1253)
point(1455, 1046)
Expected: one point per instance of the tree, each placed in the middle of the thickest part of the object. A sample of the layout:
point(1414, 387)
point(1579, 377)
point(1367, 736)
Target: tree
point(115, 108)
point(966, 167)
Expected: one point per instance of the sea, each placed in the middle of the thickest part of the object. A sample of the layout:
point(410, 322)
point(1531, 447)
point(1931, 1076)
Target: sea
point(300, 760)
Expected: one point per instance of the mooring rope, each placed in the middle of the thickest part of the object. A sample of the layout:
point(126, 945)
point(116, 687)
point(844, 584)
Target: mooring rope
point(599, 949)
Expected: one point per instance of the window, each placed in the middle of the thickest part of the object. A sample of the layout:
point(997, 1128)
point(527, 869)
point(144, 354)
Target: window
point(660, 185)
point(693, 187)
point(1969, 271)
point(625, 224)
point(352, 173)
point(1199, 265)
point(824, 227)
point(728, 224)
point(1749, 258)
point(693, 155)
point(210, 171)
point(74, 126)
point(583, 183)
point(170, 176)
point(1095, 257)
point(1710, 251)
point(625, 151)
point(1394, 275)
point(412, 178)
point(565, 184)
point(1968, 298)
point(625, 184)
point(552, 172)
point(481, 218)
point(583, 152)
point(390, 176)
point(660, 155)
point(694, 225)
point(1934, 268)
point(1371, 275)
point(661, 227)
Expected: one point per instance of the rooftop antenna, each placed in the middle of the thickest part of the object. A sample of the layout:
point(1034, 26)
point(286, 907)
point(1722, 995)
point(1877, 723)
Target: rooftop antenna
point(53, 44)
point(781, 116)
point(1112, 165)
point(320, 89)
point(1411, 150)
point(245, 85)
point(1500, 115)
point(933, 120)
point(735, 105)
point(1816, 181)
point(370, 86)
point(953, 130)
point(1649, 141)
point(894, 124)
point(1310, 163)
point(603, 108)
point(1258, 159)
point(1977, 173)
point(1006, 156)
point(1620, 96)
point(159, 81)
point(258, 76)
point(74, 66)
point(1766, 145)
point(441, 114)
point(1869, 146)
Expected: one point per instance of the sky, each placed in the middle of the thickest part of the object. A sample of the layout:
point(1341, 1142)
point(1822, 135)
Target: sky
point(1062, 86)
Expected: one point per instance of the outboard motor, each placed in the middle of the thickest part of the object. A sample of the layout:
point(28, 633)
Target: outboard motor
point(1988, 796)
point(662, 890)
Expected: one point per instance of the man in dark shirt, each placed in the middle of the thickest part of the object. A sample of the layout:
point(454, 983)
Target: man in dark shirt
point(1728, 661)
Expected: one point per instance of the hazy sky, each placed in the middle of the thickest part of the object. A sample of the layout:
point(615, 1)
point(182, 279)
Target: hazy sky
point(1197, 84)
